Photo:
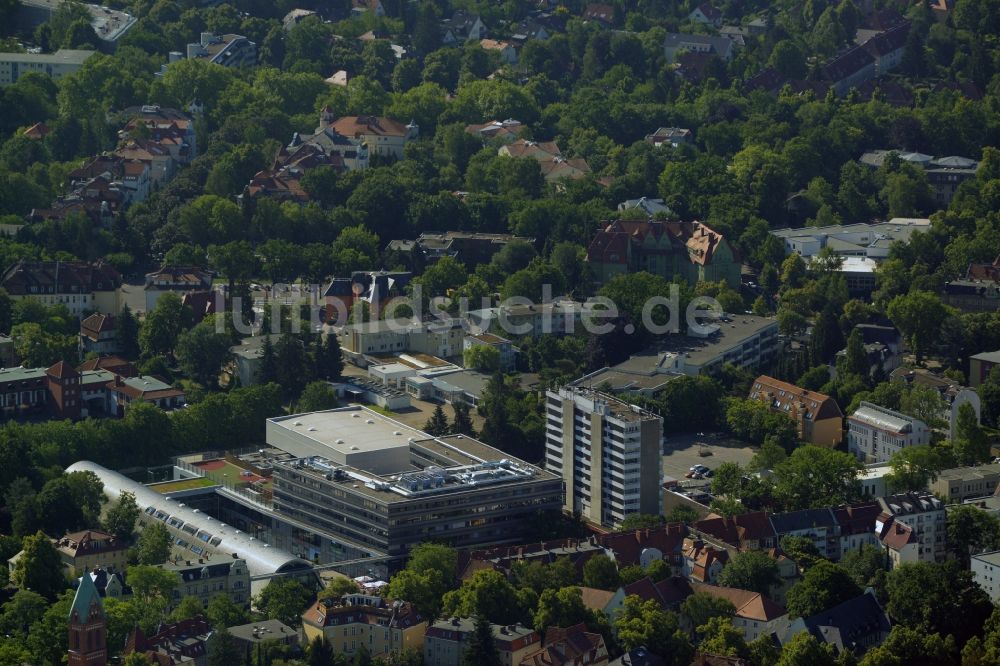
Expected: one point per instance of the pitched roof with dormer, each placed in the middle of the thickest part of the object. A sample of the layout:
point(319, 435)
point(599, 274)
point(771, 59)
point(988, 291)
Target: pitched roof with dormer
point(568, 647)
point(795, 401)
point(749, 605)
point(358, 126)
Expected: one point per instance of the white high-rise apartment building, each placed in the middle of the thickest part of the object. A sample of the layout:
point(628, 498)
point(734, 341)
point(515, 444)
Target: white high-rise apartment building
point(608, 453)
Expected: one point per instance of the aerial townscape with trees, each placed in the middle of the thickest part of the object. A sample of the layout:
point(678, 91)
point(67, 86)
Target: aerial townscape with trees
point(523, 333)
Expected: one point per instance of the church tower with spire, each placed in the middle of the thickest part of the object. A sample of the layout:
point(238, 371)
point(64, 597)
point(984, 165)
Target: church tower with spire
point(88, 630)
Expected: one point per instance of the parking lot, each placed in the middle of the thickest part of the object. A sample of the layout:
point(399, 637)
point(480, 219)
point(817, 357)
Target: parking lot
point(681, 452)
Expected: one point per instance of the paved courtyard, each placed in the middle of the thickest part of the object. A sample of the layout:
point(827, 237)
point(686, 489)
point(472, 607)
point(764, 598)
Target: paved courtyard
point(681, 452)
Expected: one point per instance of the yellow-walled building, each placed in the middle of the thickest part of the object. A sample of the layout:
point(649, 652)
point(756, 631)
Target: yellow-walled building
point(382, 625)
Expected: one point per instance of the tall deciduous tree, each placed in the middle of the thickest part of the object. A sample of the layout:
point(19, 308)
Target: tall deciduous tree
point(154, 544)
point(751, 570)
point(120, 519)
point(39, 568)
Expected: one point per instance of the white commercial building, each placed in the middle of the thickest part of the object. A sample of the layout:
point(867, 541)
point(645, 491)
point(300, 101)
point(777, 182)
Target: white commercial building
point(607, 452)
point(851, 240)
point(875, 433)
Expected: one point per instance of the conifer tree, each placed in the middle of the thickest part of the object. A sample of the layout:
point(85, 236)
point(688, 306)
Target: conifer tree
point(462, 423)
point(481, 649)
point(437, 425)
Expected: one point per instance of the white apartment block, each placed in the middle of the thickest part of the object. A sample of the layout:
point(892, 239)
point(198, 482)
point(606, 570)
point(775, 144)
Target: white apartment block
point(925, 515)
point(986, 572)
point(54, 65)
point(875, 433)
point(607, 452)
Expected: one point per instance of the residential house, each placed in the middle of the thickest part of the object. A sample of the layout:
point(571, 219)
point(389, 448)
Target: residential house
point(883, 346)
point(382, 136)
point(37, 132)
point(247, 357)
point(854, 626)
point(600, 13)
point(748, 531)
point(644, 207)
point(362, 6)
point(504, 130)
point(925, 515)
point(527, 30)
point(817, 416)
point(469, 248)
point(506, 349)
point(265, 633)
point(110, 585)
point(856, 524)
point(462, 27)
point(898, 540)
point(376, 289)
point(676, 43)
point(977, 291)
point(818, 525)
point(382, 626)
point(227, 50)
point(755, 613)
point(953, 394)
point(569, 646)
point(692, 250)
point(504, 49)
point(986, 573)
point(703, 562)
point(850, 69)
point(176, 279)
point(205, 579)
point(706, 14)
point(82, 287)
point(87, 550)
point(121, 393)
point(447, 639)
point(171, 129)
point(550, 159)
point(887, 47)
point(672, 136)
point(875, 433)
point(669, 593)
point(98, 335)
point(980, 366)
point(184, 642)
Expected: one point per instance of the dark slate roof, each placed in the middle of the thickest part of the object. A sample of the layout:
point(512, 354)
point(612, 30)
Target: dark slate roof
point(850, 625)
point(805, 519)
point(889, 41)
point(847, 64)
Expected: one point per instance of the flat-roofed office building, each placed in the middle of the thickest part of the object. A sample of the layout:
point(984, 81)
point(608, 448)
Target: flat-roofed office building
point(370, 483)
